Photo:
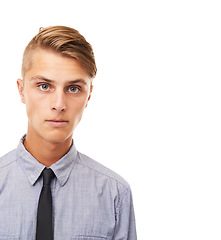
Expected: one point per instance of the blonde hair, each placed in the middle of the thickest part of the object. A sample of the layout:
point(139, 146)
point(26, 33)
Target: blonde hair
point(65, 41)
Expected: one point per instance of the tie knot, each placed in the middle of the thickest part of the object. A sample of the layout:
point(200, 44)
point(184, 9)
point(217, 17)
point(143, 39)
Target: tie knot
point(48, 175)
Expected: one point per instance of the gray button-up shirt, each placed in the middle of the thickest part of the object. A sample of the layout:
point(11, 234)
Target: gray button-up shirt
point(90, 202)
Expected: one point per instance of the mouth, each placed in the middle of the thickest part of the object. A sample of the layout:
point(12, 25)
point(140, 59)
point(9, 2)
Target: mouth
point(57, 123)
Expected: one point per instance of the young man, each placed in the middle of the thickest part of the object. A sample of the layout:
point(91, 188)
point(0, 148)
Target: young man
point(48, 190)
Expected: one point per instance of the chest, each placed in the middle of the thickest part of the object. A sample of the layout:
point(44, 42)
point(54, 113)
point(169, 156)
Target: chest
point(80, 211)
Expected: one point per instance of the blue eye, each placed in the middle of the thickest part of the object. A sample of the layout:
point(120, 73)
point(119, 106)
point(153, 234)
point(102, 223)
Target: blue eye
point(73, 89)
point(44, 87)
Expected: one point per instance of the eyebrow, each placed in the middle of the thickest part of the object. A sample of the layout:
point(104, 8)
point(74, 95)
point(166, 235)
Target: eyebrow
point(39, 77)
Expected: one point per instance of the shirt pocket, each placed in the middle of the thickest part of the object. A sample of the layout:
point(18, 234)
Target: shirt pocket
point(89, 238)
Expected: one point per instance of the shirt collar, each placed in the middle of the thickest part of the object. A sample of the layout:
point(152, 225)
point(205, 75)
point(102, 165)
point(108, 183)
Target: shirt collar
point(33, 169)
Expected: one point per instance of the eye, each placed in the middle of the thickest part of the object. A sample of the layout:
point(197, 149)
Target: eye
point(44, 87)
point(74, 89)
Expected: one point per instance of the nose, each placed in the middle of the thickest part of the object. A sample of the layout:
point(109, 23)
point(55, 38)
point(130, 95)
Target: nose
point(58, 101)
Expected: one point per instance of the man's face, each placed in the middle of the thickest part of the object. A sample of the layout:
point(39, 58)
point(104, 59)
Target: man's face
point(56, 91)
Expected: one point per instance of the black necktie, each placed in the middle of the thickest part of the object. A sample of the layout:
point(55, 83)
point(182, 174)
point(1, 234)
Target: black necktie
point(44, 229)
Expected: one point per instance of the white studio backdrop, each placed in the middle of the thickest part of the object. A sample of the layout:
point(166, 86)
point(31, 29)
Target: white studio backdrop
point(154, 116)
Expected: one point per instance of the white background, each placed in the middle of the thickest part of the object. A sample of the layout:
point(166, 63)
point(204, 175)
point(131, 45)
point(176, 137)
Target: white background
point(154, 116)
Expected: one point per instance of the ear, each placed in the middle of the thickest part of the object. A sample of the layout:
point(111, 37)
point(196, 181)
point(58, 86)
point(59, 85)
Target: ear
point(20, 85)
point(89, 97)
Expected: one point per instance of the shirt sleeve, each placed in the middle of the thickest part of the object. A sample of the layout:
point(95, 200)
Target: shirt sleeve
point(125, 219)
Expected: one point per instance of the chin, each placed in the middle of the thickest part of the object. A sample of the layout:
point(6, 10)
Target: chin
point(58, 138)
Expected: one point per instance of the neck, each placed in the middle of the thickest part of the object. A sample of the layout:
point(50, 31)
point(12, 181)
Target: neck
point(46, 152)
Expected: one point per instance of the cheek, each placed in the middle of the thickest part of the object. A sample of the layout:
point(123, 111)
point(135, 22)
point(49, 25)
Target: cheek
point(77, 107)
point(34, 106)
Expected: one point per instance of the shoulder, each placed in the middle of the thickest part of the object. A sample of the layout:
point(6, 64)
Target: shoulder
point(100, 169)
point(8, 159)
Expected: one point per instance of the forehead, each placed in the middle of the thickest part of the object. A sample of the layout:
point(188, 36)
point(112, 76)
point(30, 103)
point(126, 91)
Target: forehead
point(55, 66)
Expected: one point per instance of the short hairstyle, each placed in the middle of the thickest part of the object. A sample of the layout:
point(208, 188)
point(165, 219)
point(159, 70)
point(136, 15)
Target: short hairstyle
point(65, 41)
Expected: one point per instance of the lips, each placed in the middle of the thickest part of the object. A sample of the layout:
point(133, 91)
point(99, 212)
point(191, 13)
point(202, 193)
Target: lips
point(57, 123)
